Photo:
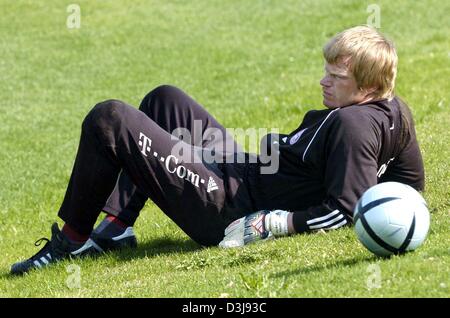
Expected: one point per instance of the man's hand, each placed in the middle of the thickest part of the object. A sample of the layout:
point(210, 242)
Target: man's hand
point(258, 226)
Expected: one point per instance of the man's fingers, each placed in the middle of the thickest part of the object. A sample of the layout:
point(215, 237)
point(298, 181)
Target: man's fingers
point(233, 239)
point(245, 230)
point(234, 234)
point(231, 243)
point(239, 223)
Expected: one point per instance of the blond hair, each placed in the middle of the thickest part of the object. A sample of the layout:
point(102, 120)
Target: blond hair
point(372, 58)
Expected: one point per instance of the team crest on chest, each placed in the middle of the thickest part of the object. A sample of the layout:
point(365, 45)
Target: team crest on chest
point(297, 136)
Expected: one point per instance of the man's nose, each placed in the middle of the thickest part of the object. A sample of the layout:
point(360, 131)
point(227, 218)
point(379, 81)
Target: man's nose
point(324, 81)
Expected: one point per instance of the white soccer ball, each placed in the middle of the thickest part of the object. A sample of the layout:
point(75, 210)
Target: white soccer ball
point(391, 218)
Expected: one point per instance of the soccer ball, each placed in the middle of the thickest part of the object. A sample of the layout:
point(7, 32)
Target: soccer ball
point(391, 218)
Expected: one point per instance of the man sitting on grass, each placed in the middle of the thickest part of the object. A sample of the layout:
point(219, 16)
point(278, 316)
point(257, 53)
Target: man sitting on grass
point(364, 136)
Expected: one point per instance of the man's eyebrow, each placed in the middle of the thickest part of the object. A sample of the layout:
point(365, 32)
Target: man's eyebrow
point(335, 73)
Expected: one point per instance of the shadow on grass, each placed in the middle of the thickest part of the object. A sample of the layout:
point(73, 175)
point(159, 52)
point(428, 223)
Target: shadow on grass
point(321, 267)
point(7, 275)
point(159, 246)
point(370, 259)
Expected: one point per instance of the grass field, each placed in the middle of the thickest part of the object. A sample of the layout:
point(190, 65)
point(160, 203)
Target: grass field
point(251, 64)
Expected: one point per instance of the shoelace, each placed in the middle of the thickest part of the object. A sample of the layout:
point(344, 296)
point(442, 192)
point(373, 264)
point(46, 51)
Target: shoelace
point(39, 242)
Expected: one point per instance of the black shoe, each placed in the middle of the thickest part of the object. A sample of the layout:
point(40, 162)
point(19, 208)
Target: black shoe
point(110, 236)
point(54, 250)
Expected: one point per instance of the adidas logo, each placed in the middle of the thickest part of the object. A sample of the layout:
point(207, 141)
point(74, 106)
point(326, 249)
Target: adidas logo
point(212, 185)
point(258, 224)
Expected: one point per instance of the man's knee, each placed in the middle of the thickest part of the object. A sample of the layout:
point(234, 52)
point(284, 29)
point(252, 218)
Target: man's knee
point(105, 113)
point(163, 94)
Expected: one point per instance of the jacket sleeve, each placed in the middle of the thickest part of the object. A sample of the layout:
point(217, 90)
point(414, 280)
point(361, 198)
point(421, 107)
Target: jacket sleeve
point(350, 168)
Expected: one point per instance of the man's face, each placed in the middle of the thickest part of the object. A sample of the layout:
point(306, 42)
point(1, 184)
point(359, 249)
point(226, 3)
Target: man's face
point(339, 86)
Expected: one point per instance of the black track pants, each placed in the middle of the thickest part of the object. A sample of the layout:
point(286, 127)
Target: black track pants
point(125, 156)
point(170, 108)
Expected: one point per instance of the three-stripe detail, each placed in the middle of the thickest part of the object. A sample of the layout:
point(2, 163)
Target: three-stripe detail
point(330, 221)
point(43, 260)
point(85, 248)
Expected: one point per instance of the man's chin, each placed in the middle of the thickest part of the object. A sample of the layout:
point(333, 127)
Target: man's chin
point(328, 104)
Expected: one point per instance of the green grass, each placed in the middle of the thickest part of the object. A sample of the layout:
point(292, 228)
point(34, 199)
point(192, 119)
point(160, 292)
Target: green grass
point(250, 63)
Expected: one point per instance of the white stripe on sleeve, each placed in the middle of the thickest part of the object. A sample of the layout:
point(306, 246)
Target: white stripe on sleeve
point(337, 225)
point(322, 218)
point(324, 224)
